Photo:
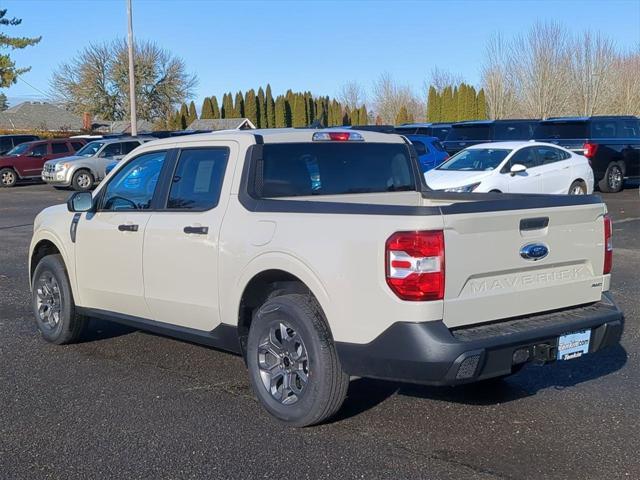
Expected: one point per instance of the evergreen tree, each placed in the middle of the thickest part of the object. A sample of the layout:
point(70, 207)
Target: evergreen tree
point(207, 109)
point(433, 113)
point(183, 117)
point(321, 113)
point(193, 115)
point(227, 106)
point(9, 73)
point(299, 111)
point(280, 112)
point(403, 116)
point(215, 108)
point(262, 112)
point(3, 102)
point(481, 105)
point(238, 106)
point(251, 107)
point(346, 117)
point(270, 108)
point(364, 116)
point(448, 113)
point(460, 96)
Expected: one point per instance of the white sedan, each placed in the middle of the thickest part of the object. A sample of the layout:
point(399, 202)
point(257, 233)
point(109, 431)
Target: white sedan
point(514, 167)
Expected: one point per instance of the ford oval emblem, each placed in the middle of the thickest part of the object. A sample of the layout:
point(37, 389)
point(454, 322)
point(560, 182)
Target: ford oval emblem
point(534, 251)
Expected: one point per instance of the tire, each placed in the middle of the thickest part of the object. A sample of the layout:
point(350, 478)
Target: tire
point(578, 188)
point(285, 330)
point(613, 180)
point(52, 302)
point(8, 177)
point(82, 181)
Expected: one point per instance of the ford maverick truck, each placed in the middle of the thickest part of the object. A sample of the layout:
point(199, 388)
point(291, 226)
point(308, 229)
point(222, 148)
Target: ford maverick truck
point(321, 255)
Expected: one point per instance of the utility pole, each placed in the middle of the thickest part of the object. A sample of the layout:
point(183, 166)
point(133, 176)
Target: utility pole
point(132, 78)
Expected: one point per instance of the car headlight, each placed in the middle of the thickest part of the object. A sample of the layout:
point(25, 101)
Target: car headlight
point(62, 166)
point(466, 188)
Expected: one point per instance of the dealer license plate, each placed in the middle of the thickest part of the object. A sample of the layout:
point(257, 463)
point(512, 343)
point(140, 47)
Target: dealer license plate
point(573, 345)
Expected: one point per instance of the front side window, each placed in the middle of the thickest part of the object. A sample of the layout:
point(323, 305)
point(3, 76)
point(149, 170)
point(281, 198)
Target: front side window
point(133, 186)
point(476, 159)
point(39, 150)
point(59, 147)
point(197, 181)
point(111, 150)
point(629, 129)
point(604, 129)
point(90, 149)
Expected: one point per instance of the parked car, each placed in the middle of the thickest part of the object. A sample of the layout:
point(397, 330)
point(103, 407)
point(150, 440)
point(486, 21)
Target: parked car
point(25, 161)
point(611, 143)
point(465, 134)
point(430, 151)
point(82, 170)
point(440, 130)
point(7, 142)
point(110, 167)
point(514, 167)
point(226, 240)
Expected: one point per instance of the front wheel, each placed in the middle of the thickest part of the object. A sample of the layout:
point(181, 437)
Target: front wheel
point(578, 188)
point(293, 365)
point(82, 181)
point(8, 177)
point(613, 180)
point(53, 304)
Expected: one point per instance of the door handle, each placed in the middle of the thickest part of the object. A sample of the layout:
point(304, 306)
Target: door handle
point(196, 230)
point(128, 228)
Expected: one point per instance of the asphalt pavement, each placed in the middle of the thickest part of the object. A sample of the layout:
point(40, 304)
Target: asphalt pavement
point(128, 404)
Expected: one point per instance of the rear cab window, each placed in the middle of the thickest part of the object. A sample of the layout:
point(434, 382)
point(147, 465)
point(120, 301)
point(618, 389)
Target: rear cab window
point(305, 169)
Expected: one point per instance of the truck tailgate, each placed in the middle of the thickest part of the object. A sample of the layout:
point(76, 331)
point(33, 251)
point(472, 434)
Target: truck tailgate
point(488, 279)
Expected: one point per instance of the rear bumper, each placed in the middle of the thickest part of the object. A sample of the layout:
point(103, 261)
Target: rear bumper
point(432, 354)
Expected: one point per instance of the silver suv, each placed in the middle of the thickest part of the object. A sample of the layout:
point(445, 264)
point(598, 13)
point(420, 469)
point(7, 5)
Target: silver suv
point(87, 167)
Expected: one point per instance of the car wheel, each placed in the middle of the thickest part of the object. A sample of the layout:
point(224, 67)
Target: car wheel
point(8, 177)
point(578, 188)
point(53, 304)
point(82, 180)
point(293, 365)
point(613, 180)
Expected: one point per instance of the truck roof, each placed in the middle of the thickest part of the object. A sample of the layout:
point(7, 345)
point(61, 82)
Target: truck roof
point(586, 119)
point(278, 135)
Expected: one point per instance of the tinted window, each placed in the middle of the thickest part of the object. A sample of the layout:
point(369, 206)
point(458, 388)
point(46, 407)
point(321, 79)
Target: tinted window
point(90, 149)
point(132, 187)
point(5, 144)
point(440, 132)
point(548, 155)
point(438, 145)
point(198, 179)
point(406, 130)
point(59, 147)
point(129, 146)
point(40, 149)
point(475, 132)
point(512, 131)
point(629, 129)
point(561, 130)
point(420, 147)
point(77, 145)
point(604, 129)
point(476, 159)
point(297, 169)
point(526, 157)
point(111, 150)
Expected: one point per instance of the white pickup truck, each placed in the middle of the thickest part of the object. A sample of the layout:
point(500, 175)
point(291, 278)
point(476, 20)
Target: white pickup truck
point(320, 255)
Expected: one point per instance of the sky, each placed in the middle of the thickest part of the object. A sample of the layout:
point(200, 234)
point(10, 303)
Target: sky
point(302, 45)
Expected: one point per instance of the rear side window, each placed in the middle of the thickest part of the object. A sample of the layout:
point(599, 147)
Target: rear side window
point(420, 147)
point(40, 149)
point(513, 131)
point(561, 130)
point(5, 144)
point(128, 147)
point(59, 147)
point(549, 155)
point(302, 169)
point(604, 129)
point(475, 132)
point(629, 129)
point(197, 181)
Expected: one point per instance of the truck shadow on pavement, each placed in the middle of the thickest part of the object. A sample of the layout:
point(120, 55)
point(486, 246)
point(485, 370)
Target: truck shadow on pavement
point(365, 394)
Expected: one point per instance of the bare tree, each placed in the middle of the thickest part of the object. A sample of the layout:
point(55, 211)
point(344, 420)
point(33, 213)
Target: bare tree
point(96, 80)
point(592, 61)
point(540, 62)
point(625, 98)
point(389, 98)
point(352, 95)
point(440, 79)
point(497, 80)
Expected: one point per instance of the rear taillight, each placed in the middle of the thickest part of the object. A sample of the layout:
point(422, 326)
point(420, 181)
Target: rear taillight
point(608, 245)
point(337, 137)
point(415, 265)
point(590, 149)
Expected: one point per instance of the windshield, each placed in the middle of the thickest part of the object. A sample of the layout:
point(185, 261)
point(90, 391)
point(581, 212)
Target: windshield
point(470, 132)
point(19, 150)
point(561, 130)
point(90, 149)
point(301, 169)
point(476, 159)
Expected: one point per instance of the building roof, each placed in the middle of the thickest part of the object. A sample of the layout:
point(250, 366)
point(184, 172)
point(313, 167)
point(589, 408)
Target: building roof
point(221, 124)
point(121, 126)
point(39, 116)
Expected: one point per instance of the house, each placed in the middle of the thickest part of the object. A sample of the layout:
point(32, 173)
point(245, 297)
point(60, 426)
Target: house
point(39, 116)
point(221, 124)
point(120, 126)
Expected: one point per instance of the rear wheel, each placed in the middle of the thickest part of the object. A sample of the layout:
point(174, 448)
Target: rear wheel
point(53, 304)
point(8, 177)
point(293, 365)
point(578, 188)
point(82, 180)
point(613, 180)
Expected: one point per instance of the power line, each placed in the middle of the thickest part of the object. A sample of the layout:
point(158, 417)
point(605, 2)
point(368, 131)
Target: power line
point(35, 88)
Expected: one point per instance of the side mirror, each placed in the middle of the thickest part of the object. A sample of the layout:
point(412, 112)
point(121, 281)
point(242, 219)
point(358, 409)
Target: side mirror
point(80, 202)
point(517, 168)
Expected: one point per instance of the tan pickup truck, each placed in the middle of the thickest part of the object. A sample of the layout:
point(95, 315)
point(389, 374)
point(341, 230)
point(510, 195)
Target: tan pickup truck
point(321, 255)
